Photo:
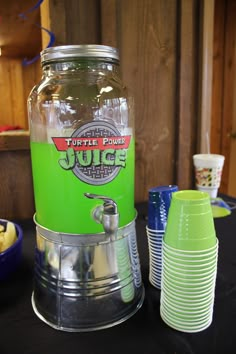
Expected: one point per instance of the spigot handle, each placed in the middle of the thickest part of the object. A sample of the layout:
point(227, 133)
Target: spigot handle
point(110, 206)
point(109, 216)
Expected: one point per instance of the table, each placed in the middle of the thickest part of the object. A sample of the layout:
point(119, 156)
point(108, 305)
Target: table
point(145, 333)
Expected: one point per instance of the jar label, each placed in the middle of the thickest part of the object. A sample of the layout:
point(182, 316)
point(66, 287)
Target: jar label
point(95, 152)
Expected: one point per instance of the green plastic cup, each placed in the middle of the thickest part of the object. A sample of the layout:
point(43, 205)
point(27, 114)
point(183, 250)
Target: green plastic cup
point(187, 273)
point(190, 267)
point(188, 289)
point(189, 279)
point(193, 291)
point(191, 260)
point(194, 255)
point(187, 328)
point(190, 224)
point(190, 316)
point(178, 302)
point(185, 320)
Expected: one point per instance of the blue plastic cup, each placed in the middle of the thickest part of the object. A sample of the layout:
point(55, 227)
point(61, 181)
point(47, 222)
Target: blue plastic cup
point(158, 206)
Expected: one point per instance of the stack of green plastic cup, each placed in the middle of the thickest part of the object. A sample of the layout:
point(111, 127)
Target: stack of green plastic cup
point(190, 253)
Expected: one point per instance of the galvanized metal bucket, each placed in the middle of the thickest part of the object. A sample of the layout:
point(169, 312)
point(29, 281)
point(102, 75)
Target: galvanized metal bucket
point(86, 282)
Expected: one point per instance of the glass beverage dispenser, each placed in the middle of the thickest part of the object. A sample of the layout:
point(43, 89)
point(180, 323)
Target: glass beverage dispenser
point(87, 270)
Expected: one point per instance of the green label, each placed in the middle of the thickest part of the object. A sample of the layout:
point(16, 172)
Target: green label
point(95, 152)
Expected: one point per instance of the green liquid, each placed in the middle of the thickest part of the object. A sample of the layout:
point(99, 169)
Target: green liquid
point(59, 195)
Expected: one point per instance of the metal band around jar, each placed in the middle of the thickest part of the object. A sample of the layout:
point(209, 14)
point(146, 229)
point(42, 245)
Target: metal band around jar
point(82, 239)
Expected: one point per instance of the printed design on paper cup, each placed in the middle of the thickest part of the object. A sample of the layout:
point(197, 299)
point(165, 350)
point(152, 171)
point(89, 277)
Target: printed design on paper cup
point(95, 152)
point(208, 177)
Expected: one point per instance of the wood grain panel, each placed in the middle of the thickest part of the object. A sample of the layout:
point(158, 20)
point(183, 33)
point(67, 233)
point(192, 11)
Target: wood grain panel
point(218, 75)
point(229, 77)
point(5, 93)
point(206, 56)
point(20, 35)
point(147, 39)
point(187, 92)
point(16, 81)
point(10, 142)
point(72, 22)
point(17, 98)
point(53, 17)
point(223, 84)
point(109, 23)
point(82, 21)
point(16, 185)
point(159, 43)
point(31, 76)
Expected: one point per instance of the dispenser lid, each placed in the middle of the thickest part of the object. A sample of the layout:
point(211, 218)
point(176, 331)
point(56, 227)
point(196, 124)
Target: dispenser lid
point(76, 51)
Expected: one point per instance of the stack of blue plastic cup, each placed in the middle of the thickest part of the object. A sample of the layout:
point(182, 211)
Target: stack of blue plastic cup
point(158, 207)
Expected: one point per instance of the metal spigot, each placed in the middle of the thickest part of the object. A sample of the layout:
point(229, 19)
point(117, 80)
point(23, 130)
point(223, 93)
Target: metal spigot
point(107, 214)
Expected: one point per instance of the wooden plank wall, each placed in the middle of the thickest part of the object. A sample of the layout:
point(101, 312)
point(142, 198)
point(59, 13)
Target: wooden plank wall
point(16, 190)
point(159, 42)
point(72, 22)
point(218, 75)
point(159, 49)
point(16, 82)
point(147, 43)
point(187, 115)
point(223, 83)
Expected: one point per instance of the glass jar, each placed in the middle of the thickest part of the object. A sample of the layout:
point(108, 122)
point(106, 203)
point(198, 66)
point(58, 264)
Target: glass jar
point(82, 138)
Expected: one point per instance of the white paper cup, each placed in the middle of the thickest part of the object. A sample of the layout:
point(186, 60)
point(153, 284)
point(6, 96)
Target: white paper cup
point(208, 170)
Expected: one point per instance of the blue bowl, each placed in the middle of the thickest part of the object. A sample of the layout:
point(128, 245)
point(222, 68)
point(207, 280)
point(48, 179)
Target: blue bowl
point(11, 257)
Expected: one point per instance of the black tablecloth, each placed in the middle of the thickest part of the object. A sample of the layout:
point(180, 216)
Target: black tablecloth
point(21, 331)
